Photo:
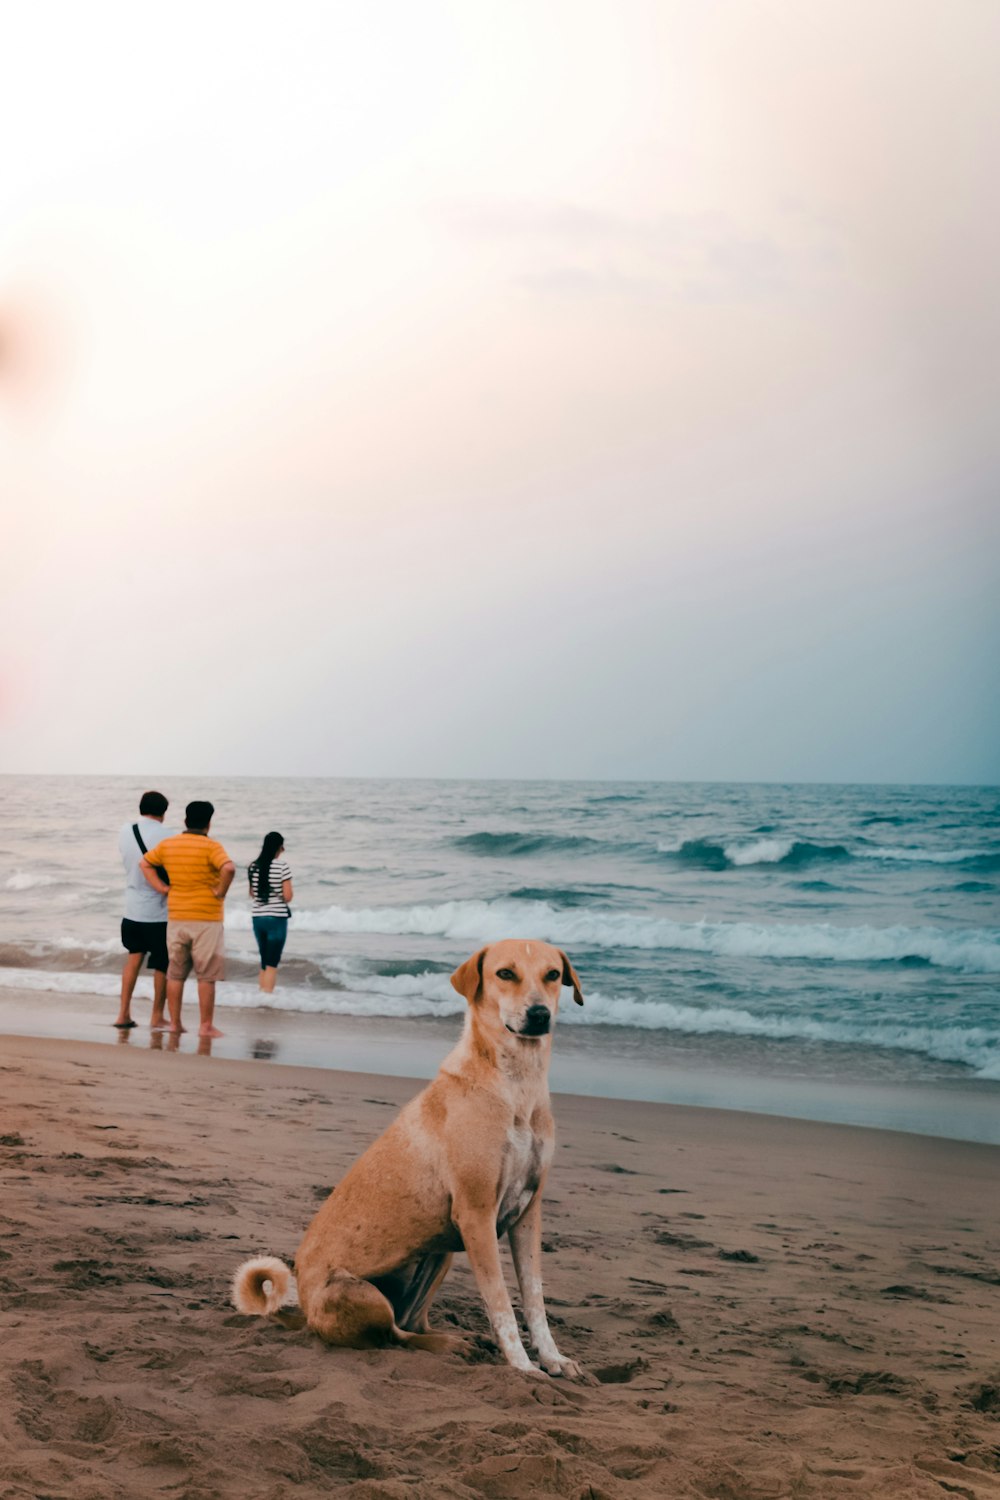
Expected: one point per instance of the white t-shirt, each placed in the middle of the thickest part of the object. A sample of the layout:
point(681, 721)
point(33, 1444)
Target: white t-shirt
point(142, 903)
point(274, 905)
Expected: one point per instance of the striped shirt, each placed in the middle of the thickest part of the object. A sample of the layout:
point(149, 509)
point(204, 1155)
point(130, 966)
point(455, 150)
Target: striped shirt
point(270, 903)
point(193, 862)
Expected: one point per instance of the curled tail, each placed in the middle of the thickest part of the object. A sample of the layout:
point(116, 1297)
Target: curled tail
point(261, 1287)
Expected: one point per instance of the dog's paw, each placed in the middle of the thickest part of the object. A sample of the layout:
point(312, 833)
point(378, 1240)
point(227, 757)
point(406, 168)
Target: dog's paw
point(465, 1348)
point(568, 1369)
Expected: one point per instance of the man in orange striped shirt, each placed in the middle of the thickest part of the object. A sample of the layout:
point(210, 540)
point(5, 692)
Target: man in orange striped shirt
point(200, 873)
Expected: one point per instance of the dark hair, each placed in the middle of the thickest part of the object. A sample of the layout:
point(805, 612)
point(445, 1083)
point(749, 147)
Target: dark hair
point(153, 804)
point(260, 871)
point(198, 814)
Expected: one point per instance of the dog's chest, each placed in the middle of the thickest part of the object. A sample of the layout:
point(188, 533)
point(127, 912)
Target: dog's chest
point(524, 1159)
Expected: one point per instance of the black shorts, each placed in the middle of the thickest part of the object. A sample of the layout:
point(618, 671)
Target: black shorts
point(146, 937)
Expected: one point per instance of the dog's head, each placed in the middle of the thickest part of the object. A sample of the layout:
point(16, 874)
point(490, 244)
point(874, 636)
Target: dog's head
point(519, 982)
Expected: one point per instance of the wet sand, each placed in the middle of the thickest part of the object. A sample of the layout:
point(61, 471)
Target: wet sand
point(771, 1308)
point(654, 1067)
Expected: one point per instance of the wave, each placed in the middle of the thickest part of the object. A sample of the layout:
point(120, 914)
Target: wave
point(26, 881)
point(517, 845)
point(975, 951)
point(396, 999)
point(977, 1047)
point(56, 952)
point(779, 852)
point(968, 951)
point(427, 995)
point(558, 895)
point(979, 859)
point(709, 854)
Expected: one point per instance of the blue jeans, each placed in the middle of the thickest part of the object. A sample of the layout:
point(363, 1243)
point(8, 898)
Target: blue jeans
point(270, 933)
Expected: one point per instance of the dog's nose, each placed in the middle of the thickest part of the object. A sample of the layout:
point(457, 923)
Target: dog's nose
point(536, 1018)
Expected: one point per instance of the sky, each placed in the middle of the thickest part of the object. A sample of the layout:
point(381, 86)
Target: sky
point(507, 388)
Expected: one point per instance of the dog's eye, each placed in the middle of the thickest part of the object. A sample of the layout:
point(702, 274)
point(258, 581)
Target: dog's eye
point(506, 974)
point(552, 975)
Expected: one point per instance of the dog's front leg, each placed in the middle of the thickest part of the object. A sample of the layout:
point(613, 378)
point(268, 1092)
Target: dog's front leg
point(479, 1236)
point(526, 1243)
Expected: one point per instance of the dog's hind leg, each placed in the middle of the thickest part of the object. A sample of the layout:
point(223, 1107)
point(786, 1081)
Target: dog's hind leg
point(418, 1316)
point(411, 1290)
point(354, 1314)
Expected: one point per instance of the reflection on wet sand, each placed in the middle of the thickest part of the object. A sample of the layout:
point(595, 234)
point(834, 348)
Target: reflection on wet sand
point(164, 1041)
point(261, 1048)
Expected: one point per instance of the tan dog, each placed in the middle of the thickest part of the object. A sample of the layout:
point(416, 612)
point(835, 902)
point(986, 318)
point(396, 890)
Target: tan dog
point(462, 1164)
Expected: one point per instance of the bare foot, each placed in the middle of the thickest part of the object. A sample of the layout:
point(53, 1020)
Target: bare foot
point(208, 1031)
point(161, 1024)
point(174, 1030)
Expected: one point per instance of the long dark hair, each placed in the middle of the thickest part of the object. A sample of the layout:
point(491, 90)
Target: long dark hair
point(260, 870)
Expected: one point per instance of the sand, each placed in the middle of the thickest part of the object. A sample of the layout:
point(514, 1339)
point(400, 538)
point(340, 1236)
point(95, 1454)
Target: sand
point(771, 1308)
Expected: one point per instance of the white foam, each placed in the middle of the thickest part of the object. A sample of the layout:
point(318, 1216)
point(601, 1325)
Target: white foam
point(403, 995)
point(426, 986)
point(422, 995)
point(760, 852)
point(976, 1046)
point(25, 880)
point(74, 945)
point(67, 982)
point(972, 952)
point(923, 856)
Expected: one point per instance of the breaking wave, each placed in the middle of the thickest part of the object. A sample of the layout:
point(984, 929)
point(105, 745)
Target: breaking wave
point(430, 995)
point(975, 951)
point(708, 854)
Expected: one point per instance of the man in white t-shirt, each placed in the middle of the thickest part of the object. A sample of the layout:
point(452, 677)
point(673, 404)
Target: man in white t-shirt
point(144, 925)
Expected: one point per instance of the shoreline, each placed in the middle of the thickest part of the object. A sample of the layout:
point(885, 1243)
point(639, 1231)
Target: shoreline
point(830, 1291)
point(959, 1109)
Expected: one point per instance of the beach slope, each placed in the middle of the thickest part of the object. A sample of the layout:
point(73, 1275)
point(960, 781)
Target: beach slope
point(770, 1308)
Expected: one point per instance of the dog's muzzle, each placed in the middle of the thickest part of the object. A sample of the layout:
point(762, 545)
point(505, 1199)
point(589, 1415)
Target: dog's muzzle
point(537, 1020)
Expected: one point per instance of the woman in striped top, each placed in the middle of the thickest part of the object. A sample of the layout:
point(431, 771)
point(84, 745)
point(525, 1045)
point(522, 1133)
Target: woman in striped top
point(270, 892)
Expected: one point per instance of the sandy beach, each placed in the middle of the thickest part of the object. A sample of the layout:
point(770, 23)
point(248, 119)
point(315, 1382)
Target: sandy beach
point(770, 1308)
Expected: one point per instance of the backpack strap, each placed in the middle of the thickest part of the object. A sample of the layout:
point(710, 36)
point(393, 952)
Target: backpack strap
point(138, 838)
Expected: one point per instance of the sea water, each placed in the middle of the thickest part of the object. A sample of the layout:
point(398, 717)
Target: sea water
point(823, 950)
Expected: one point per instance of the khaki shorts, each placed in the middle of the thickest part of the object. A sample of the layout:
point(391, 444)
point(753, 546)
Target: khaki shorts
point(197, 945)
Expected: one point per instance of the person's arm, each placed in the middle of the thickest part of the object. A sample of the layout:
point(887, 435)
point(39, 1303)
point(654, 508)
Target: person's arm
point(226, 876)
point(286, 891)
point(152, 875)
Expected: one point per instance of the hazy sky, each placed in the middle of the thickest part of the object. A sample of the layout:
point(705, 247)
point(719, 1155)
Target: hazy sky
point(512, 389)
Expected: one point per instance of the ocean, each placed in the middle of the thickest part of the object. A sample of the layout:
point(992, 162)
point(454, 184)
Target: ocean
point(825, 951)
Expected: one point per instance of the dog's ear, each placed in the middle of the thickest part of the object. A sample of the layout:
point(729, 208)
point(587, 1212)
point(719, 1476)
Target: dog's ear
point(468, 977)
point(571, 977)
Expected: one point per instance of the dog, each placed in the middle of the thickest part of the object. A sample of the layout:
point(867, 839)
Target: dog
point(463, 1163)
